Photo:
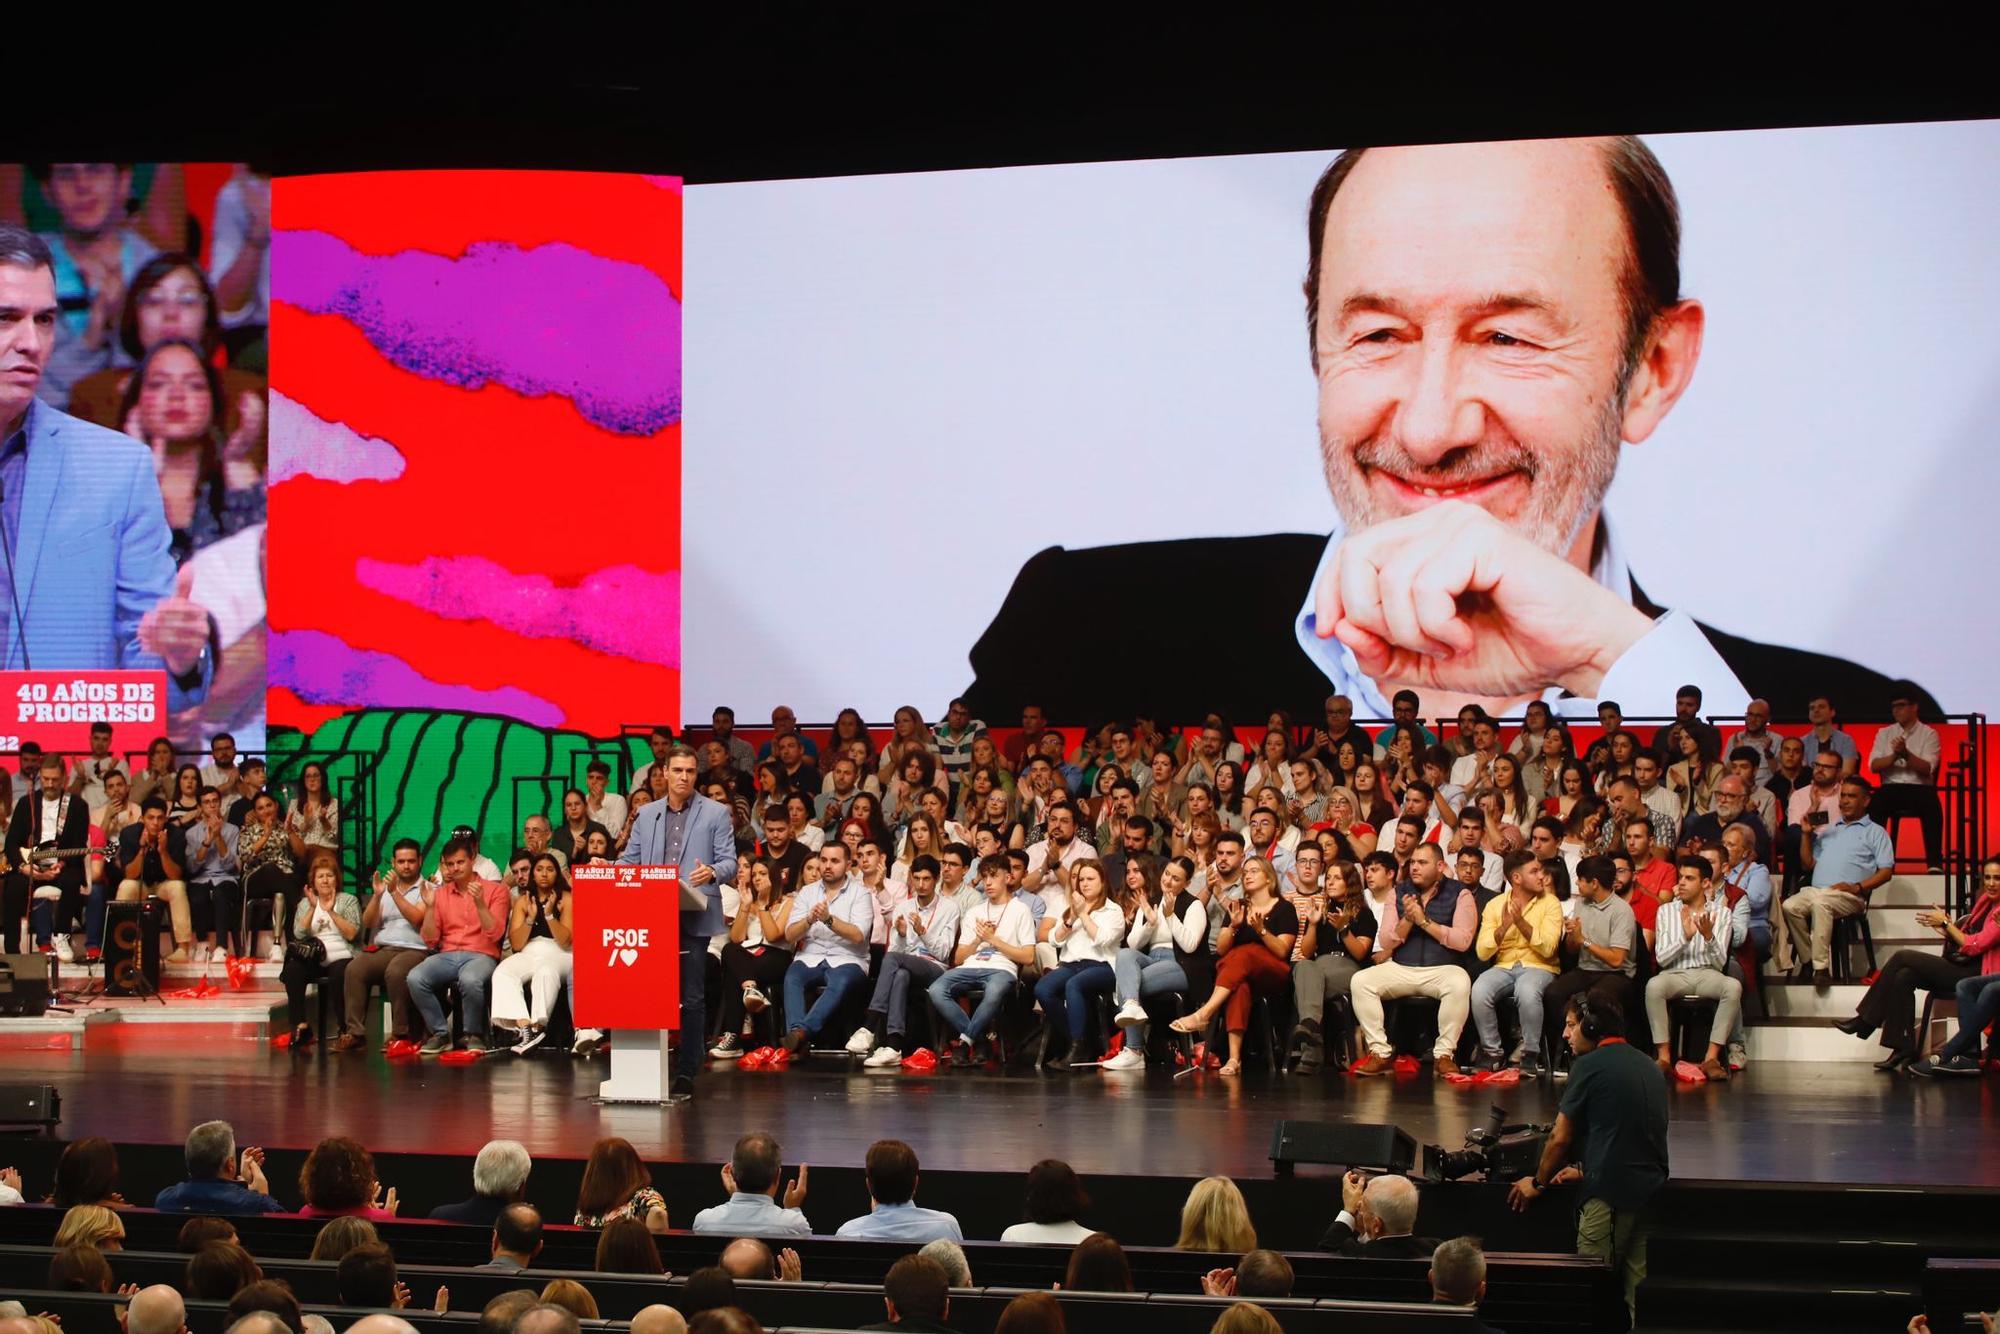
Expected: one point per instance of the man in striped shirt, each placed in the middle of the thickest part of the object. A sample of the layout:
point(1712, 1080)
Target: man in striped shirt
point(1693, 940)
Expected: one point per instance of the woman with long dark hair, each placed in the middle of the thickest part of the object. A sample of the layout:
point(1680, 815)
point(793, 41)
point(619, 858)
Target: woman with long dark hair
point(184, 806)
point(525, 985)
point(170, 299)
point(616, 1184)
point(755, 958)
point(174, 404)
point(264, 852)
point(157, 778)
point(314, 818)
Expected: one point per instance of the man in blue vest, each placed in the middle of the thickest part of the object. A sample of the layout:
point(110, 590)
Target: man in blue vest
point(1420, 952)
point(693, 832)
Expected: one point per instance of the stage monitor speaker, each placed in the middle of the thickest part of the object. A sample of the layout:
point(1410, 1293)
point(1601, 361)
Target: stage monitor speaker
point(30, 1105)
point(1347, 1144)
point(26, 981)
point(132, 948)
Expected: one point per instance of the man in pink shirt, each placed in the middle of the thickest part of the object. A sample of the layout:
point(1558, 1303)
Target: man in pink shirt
point(463, 918)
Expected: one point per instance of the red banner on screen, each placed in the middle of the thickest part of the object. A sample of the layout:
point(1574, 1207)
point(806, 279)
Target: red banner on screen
point(55, 710)
point(627, 947)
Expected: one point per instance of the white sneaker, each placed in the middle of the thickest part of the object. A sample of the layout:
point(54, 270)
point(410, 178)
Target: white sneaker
point(64, 950)
point(1128, 1058)
point(862, 1042)
point(588, 1040)
point(884, 1057)
point(277, 954)
point(1130, 1013)
point(754, 1000)
point(201, 952)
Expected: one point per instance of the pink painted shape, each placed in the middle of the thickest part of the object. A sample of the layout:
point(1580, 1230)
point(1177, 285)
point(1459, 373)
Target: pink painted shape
point(305, 445)
point(623, 611)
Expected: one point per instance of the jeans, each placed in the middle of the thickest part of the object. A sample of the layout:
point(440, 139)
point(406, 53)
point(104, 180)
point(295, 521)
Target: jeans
point(1073, 985)
point(838, 980)
point(1978, 1006)
point(892, 988)
point(1525, 985)
point(1140, 977)
point(994, 985)
point(470, 973)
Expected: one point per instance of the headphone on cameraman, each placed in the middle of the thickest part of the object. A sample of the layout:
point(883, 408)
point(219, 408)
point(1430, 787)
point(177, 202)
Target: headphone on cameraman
point(1587, 1021)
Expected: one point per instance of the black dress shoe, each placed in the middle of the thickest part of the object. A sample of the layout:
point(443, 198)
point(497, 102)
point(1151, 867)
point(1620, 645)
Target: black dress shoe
point(682, 1090)
point(1857, 1027)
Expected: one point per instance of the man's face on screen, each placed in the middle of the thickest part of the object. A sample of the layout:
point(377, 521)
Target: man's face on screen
point(27, 334)
point(89, 195)
point(1470, 333)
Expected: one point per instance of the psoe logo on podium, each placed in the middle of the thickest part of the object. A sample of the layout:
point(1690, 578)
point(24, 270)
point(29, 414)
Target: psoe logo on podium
point(627, 947)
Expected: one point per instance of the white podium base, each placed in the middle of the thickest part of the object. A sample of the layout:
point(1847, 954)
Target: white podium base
point(641, 1067)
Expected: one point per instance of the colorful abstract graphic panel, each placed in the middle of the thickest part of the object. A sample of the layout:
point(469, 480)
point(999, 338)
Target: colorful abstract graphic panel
point(475, 446)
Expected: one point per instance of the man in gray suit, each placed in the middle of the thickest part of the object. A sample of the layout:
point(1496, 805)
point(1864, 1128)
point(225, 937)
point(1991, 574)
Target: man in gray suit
point(693, 832)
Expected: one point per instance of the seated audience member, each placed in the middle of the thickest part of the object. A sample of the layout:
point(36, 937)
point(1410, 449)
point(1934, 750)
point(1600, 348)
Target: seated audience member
point(658, 1319)
point(830, 924)
point(1088, 931)
point(754, 1177)
point(1654, 878)
point(366, 1276)
point(270, 1295)
point(1604, 937)
point(218, 1182)
point(1215, 1218)
point(950, 1257)
point(995, 941)
point(1971, 950)
point(156, 1310)
point(1246, 1318)
point(916, 1297)
point(340, 1235)
point(626, 1247)
point(1458, 1276)
point(1827, 736)
point(1731, 806)
point(1693, 942)
point(527, 982)
point(339, 1178)
point(325, 931)
point(1420, 952)
point(894, 1214)
point(270, 871)
point(1098, 1264)
point(546, 1317)
point(395, 914)
point(1261, 1273)
point(1031, 1313)
point(1904, 760)
point(465, 918)
point(710, 1288)
point(517, 1239)
point(1742, 870)
point(754, 958)
point(500, 1315)
point(87, 1173)
point(79, 1269)
point(215, 876)
point(749, 1258)
point(1253, 958)
point(199, 1231)
point(218, 1271)
point(1166, 950)
point(1847, 860)
point(571, 1296)
point(1055, 1198)
point(1377, 1219)
point(152, 860)
point(923, 933)
point(616, 1184)
point(1521, 934)
point(499, 1178)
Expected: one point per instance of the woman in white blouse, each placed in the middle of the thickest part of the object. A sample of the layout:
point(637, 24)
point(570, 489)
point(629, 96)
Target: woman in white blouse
point(525, 985)
point(323, 932)
point(1087, 937)
point(1167, 923)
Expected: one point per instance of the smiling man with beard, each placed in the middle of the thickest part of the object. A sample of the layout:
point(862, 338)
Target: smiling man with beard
point(1489, 324)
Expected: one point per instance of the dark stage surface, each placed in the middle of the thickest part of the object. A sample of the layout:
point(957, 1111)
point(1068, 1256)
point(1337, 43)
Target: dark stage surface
point(1778, 1121)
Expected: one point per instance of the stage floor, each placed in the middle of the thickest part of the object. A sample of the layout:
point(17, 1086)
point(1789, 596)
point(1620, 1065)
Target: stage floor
point(1777, 1121)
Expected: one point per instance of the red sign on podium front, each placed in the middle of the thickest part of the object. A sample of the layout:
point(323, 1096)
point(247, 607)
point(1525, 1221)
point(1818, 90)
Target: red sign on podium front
point(626, 947)
point(56, 710)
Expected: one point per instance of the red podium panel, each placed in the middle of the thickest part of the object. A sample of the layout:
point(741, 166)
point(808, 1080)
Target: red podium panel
point(627, 947)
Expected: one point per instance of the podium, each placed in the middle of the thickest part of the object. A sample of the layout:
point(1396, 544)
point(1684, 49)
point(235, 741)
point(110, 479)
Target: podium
point(626, 951)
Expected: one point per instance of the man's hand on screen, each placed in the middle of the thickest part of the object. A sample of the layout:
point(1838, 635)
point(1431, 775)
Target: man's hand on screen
point(1452, 600)
point(177, 627)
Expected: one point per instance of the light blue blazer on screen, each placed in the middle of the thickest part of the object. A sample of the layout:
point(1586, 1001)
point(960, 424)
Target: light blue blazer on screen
point(91, 556)
point(711, 840)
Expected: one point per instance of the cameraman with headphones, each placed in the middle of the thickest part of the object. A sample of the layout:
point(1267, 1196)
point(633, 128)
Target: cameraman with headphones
point(1613, 1117)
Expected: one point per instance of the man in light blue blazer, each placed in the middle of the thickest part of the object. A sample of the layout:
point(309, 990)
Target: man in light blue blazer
point(93, 585)
point(693, 832)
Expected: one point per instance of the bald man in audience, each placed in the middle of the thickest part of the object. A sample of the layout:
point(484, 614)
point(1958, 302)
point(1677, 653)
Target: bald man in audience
point(658, 1319)
point(498, 1316)
point(746, 1257)
point(546, 1318)
point(1378, 1217)
point(379, 1324)
point(156, 1310)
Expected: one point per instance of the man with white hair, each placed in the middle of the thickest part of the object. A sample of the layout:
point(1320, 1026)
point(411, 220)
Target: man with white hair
point(1377, 1218)
point(499, 1178)
point(156, 1310)
point(219, 1180)
point(950, 1257)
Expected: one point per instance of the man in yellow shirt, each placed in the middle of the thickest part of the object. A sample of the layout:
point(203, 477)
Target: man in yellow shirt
point(1520, 933)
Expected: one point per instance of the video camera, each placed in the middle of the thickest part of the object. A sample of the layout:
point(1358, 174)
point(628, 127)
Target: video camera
point(1502, 1151)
